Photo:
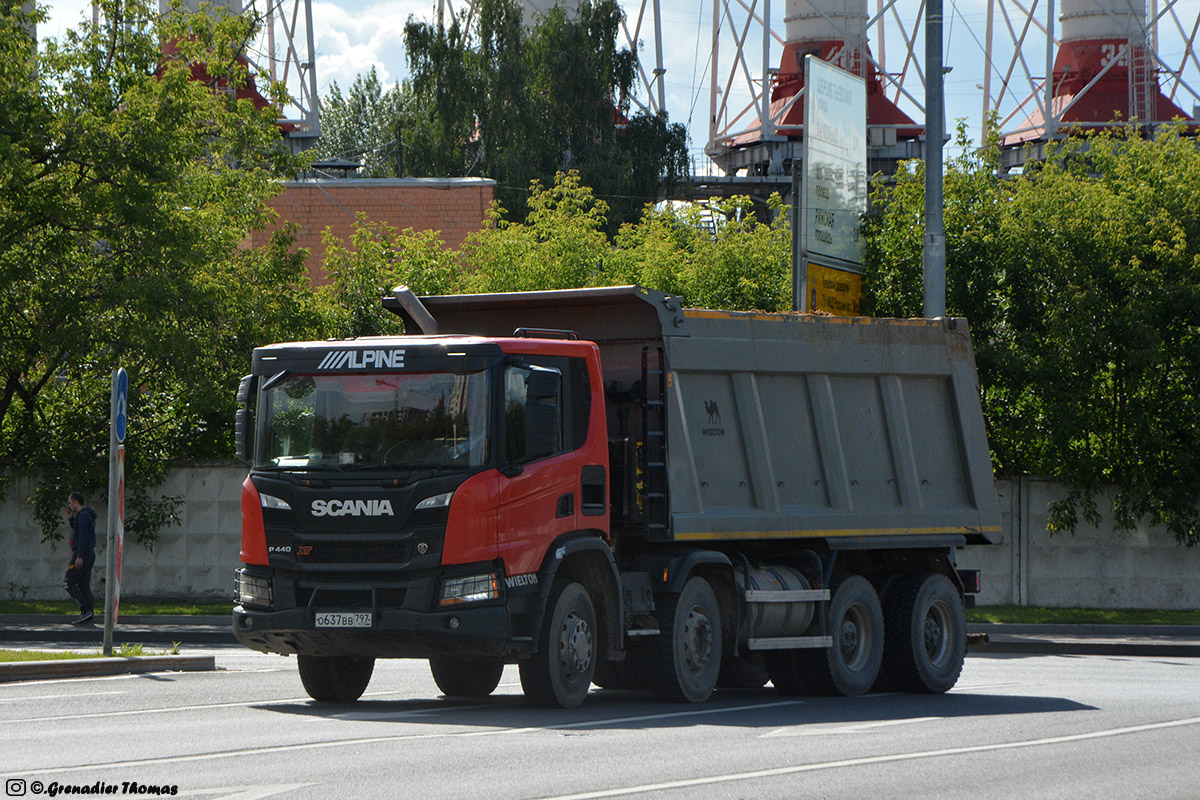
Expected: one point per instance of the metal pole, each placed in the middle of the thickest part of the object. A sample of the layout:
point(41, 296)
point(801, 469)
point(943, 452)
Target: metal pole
point(987, 74)
point(1048, 116)
point(110, 548)
point(935, 125)
point(798, 271)
point(659, 72)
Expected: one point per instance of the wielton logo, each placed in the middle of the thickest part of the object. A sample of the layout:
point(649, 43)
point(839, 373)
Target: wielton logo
point(362, 359)
point(352, 508)
point(714, 420)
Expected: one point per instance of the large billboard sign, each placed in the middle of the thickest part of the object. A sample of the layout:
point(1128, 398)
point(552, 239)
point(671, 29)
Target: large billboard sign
point(835, 169)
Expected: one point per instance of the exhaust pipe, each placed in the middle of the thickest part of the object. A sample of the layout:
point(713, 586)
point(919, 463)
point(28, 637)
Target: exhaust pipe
point(415, 310)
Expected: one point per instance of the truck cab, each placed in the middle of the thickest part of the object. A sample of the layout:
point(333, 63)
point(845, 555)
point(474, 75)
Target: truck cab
point(365, 453)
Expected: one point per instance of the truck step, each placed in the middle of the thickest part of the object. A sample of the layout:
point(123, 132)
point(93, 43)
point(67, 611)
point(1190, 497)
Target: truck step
point(790, 643)
point(787, 596)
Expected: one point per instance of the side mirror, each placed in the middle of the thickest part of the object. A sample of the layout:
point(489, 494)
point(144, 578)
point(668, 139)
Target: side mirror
point(243, 419)
point(542, 433)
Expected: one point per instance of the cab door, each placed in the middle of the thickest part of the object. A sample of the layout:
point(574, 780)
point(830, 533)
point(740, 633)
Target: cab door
point(538, 499)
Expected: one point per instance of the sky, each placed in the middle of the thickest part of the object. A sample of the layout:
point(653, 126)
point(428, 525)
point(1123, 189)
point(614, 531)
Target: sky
point(351, 36)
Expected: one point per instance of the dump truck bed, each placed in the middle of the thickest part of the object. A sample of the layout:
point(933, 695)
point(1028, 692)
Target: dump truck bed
point(861, 432)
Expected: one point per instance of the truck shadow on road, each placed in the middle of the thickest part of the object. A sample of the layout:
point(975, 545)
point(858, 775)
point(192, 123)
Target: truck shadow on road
point(629, 710)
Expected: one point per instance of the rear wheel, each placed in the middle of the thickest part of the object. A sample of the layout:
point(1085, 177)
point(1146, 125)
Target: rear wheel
point(335, 679)
point(685, 658)
point(926, 634)
point(466, 678)
point(560, 673)
point(851, 665)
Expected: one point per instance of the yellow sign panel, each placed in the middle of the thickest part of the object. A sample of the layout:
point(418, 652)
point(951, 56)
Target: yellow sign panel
point(836, 291)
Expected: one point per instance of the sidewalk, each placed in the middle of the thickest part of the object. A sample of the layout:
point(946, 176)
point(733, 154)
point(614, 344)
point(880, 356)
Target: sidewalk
point(34, 629)
point(1174, 641)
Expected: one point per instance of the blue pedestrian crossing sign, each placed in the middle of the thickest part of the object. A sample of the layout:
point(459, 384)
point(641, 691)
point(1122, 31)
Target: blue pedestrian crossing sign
point(121, 406)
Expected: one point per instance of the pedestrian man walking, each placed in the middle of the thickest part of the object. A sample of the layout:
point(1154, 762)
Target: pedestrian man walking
point(78, 581)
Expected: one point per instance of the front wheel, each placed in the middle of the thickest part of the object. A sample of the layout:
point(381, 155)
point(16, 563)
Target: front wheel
point(560, 673)
point(459, 678)
point(335, 679)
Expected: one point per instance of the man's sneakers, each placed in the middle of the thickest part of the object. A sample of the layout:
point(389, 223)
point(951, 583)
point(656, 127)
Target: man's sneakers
point(85, 619)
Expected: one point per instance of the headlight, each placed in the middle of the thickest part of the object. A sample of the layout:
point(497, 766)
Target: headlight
point(274, 502)
point(253, 590)
point(437, 501)
point(471, 589)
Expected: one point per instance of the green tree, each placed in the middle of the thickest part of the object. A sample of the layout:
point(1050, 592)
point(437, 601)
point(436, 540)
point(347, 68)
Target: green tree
point(363, 127)
point(1081, 279)
point(489, 97)
point(126, 190)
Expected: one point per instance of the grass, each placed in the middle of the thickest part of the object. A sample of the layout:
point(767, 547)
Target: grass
point(130, 606)
point(124, 651)
point(1030, 615)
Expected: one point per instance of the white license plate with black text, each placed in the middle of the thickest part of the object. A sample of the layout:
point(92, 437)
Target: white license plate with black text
point(344, 619)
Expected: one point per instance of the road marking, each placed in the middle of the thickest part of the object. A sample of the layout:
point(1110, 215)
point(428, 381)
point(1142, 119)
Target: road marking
point(811, 729)
point(246, 792)
point(871, 760)
point(302, 746)
point(169, 709)
point(56, 696)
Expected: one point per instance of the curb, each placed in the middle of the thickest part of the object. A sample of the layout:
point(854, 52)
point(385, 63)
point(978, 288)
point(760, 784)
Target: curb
point(92, 667)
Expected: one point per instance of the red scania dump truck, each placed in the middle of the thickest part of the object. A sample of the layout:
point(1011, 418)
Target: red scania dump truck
point(605, 487)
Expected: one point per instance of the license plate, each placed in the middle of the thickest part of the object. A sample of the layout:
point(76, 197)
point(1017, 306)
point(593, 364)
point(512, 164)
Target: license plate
point(341, 619)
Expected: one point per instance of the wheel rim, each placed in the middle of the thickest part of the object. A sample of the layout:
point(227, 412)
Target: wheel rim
point(575, 645)
point(854, 637)
point(697, 640)
point(935, 633)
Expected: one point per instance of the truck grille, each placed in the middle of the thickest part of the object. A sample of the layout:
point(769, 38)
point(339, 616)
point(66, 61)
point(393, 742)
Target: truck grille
point(356, 553)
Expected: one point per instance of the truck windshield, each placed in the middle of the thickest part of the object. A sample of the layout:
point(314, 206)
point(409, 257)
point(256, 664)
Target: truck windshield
point(379, 421)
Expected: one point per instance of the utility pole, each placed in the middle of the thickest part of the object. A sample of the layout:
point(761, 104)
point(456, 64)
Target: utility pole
point(935, 126)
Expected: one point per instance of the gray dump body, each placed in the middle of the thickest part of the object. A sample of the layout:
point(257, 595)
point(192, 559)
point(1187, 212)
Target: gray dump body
point(786, 426)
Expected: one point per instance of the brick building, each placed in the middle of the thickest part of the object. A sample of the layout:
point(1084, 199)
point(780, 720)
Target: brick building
point(453, 206)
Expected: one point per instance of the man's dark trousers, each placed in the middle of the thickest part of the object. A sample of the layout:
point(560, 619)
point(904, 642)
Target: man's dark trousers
point(79, 584)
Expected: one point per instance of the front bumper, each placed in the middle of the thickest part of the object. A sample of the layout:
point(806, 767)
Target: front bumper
point(395, 633)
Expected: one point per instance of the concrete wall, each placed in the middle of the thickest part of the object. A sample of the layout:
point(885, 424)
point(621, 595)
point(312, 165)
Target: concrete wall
point(195, 559)
point(1094, 568)
point(1140, 569)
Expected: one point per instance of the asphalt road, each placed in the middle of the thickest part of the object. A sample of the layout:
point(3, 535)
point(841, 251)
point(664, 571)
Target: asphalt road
point(1015, 726)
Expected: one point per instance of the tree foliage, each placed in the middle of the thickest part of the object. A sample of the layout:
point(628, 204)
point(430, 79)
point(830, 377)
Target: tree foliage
point(489, 97)
point(718, 257)
point(1081, 279)
point(363, 126)
point(126, 189)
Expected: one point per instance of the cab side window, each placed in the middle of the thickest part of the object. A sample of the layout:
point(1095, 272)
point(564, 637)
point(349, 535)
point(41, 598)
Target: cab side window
point(573, 408)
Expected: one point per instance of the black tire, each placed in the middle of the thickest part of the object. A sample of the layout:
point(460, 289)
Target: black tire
point(560, 673)
point(466, 678)
point(926, 634)
point(685, 658)
point(852, 664)
point(335, 679)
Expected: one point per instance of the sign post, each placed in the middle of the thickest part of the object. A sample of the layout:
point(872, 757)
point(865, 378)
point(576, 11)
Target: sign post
point(119, 417)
